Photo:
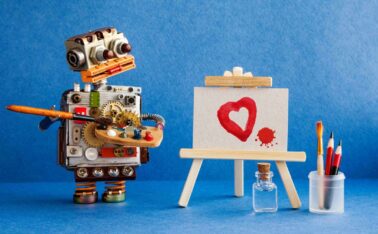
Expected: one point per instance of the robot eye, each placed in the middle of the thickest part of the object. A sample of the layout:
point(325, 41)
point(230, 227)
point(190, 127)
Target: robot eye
point(124, 48)
point(75, 58)
point(120, 47)
point(103, 54)
point(108, 54)
point(100, 54)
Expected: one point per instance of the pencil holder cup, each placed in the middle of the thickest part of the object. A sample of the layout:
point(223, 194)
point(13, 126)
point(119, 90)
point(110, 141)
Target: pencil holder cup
point(326, 193)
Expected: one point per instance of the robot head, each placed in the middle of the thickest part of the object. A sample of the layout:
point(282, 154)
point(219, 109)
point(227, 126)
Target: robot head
point(99, 54)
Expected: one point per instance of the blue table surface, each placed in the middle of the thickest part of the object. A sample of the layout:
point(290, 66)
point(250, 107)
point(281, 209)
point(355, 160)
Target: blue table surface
point(151, 206)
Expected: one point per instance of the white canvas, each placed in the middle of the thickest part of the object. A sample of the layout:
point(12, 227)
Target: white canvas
point(213, 105)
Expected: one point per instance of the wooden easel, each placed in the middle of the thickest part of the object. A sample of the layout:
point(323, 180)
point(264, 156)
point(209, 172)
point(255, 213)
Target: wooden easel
point(280, 158)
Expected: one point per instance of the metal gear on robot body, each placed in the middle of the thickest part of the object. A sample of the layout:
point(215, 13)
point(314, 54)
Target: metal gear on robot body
point(112, 109)
point(94, 112)
point(128, 118)
point(89, 135)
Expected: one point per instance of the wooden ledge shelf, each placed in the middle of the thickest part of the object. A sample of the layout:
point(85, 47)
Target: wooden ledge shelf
point(238, 81)
point(243, 155)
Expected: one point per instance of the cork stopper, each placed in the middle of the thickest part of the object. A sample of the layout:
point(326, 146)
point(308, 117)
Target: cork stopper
point(264, 169)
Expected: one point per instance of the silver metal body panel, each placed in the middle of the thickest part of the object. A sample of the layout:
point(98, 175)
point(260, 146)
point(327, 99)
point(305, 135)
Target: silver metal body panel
point(77, 157)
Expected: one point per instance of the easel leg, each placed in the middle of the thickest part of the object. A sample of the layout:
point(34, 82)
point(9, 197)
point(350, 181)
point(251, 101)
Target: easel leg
point(239, 178)
point(190, 182)
point(289, 184)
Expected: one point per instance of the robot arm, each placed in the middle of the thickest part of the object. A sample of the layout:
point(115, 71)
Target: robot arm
point(158, 119)
point(46, 122)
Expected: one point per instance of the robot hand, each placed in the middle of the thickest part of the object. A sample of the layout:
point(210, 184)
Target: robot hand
point(47, 121)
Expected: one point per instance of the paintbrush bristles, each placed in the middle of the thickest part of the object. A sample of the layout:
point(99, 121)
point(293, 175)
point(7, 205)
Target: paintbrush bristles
point(319, 133)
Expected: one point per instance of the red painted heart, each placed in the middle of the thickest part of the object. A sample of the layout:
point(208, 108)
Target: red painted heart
point(232, 127)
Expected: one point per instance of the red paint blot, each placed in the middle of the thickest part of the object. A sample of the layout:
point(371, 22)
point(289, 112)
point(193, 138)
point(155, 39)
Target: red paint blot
point(266, 137)
point(232, 127)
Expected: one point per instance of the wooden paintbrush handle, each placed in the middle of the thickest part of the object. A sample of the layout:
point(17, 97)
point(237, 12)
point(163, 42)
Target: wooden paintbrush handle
point(40, 111)
point(320, 165)
point(320, 145)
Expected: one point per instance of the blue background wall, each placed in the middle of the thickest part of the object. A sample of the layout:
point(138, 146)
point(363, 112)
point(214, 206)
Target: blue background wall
point(326, 53)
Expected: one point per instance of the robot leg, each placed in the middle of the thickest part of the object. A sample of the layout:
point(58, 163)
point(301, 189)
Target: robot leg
point(85, 193)
point(115, 191)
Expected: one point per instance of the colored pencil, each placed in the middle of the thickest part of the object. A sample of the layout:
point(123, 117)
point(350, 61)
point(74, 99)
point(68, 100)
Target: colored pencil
point(329, 154)
point(336, 160)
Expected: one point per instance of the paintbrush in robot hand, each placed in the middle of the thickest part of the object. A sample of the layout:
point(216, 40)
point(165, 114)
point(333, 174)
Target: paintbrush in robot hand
point(58, 114)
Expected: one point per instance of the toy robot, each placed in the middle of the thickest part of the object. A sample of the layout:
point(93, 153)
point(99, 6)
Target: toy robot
point(101, 137)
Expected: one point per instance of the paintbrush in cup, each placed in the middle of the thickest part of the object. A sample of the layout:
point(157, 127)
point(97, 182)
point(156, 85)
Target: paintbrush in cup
point(320, 164)
point(319, 133)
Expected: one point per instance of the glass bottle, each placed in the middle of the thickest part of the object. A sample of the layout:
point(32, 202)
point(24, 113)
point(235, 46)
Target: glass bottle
point(264, 194)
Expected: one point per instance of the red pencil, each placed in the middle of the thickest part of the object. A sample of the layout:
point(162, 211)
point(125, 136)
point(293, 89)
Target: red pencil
point(329, 155)
point(336, 160)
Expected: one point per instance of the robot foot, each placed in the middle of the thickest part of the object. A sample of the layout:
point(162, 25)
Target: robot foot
point(85, 198)
point(85, 193)
point(119, 197)
point(115, 192)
